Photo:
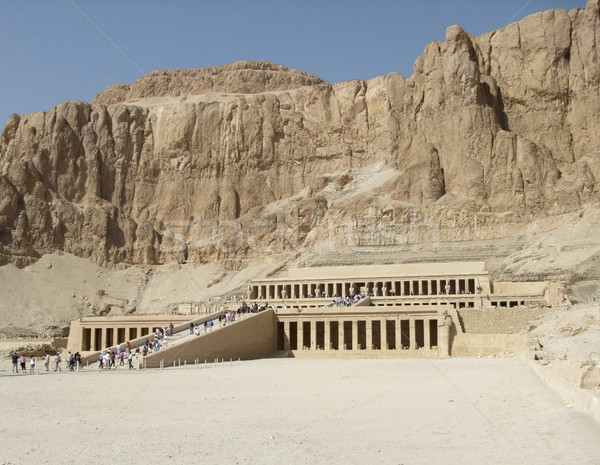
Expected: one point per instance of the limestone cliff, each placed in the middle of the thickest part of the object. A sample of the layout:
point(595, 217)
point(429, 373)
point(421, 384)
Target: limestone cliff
point(488, 134)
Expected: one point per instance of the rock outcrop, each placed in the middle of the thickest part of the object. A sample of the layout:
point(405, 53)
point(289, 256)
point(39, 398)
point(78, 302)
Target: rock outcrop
point(489, 133)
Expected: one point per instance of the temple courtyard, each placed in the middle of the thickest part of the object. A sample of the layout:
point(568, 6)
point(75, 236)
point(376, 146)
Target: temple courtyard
point(292, 411)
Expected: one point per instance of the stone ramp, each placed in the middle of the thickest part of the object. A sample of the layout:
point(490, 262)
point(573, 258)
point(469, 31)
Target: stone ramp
point(252, 336)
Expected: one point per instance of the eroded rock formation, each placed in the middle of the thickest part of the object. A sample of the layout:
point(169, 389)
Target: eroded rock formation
point(247, 158)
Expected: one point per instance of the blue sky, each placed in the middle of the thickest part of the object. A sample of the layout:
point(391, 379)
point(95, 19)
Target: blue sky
point(55, 51)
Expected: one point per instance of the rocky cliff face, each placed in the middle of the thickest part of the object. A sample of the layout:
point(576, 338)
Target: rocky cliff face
point(489, 134)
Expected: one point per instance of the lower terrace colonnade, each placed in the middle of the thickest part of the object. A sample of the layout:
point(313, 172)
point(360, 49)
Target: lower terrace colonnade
point(360, 332)
point(97, 333)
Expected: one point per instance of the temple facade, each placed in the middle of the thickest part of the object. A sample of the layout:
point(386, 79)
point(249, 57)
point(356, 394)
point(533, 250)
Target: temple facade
point(392, 310)
point(385, 307)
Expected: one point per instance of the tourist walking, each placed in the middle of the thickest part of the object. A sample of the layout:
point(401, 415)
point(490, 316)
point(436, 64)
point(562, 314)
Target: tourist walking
point(15, 362)
point(57, 362)
point(47, 362)
point(23, 360)
point(32, 365)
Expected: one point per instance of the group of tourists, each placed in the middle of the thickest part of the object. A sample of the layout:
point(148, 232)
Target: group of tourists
point(195, 328)
point(108, 359)
point(347, 301)
point(155, 344)
point(227, 317)
point(19, 362)
point(250, 309)
point(73, 361)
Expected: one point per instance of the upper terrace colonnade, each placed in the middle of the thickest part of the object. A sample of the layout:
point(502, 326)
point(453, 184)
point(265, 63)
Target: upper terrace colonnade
point(415, 279)
point(461, 284)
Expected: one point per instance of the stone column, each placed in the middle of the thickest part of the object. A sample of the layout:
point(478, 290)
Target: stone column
point(313, 335)
point(300, 337)
point(383, 333)
point(103, 343)
point(426, 335)
point(369, 335)
point(286, 335)
point(412, 336)
point(93, 338)
point(341, 335)
point(354, 334)
point(398, 334)
point(327, 335)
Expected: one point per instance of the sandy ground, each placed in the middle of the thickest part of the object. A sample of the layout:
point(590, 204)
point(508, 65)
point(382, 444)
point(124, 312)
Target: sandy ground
point(286, 411)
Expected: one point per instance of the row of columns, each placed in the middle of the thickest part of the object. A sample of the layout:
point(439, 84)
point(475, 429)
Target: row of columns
point(105, 340)
point(429, 333)
point(420, 286)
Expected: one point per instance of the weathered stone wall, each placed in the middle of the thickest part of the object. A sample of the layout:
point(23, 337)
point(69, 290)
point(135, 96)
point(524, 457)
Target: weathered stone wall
point(499, 320)
point(486, 345)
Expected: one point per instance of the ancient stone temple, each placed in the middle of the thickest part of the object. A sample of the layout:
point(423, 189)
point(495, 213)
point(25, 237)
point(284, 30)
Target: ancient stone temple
point(420, 309)
point(385, 307)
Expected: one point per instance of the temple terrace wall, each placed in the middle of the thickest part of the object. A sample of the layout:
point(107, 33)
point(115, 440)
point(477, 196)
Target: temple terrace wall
point(499, 320)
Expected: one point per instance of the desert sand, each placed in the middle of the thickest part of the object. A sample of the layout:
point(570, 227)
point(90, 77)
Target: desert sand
point(274, 411)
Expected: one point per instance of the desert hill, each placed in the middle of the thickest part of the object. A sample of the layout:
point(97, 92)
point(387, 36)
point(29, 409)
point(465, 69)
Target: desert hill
point(490, 150)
